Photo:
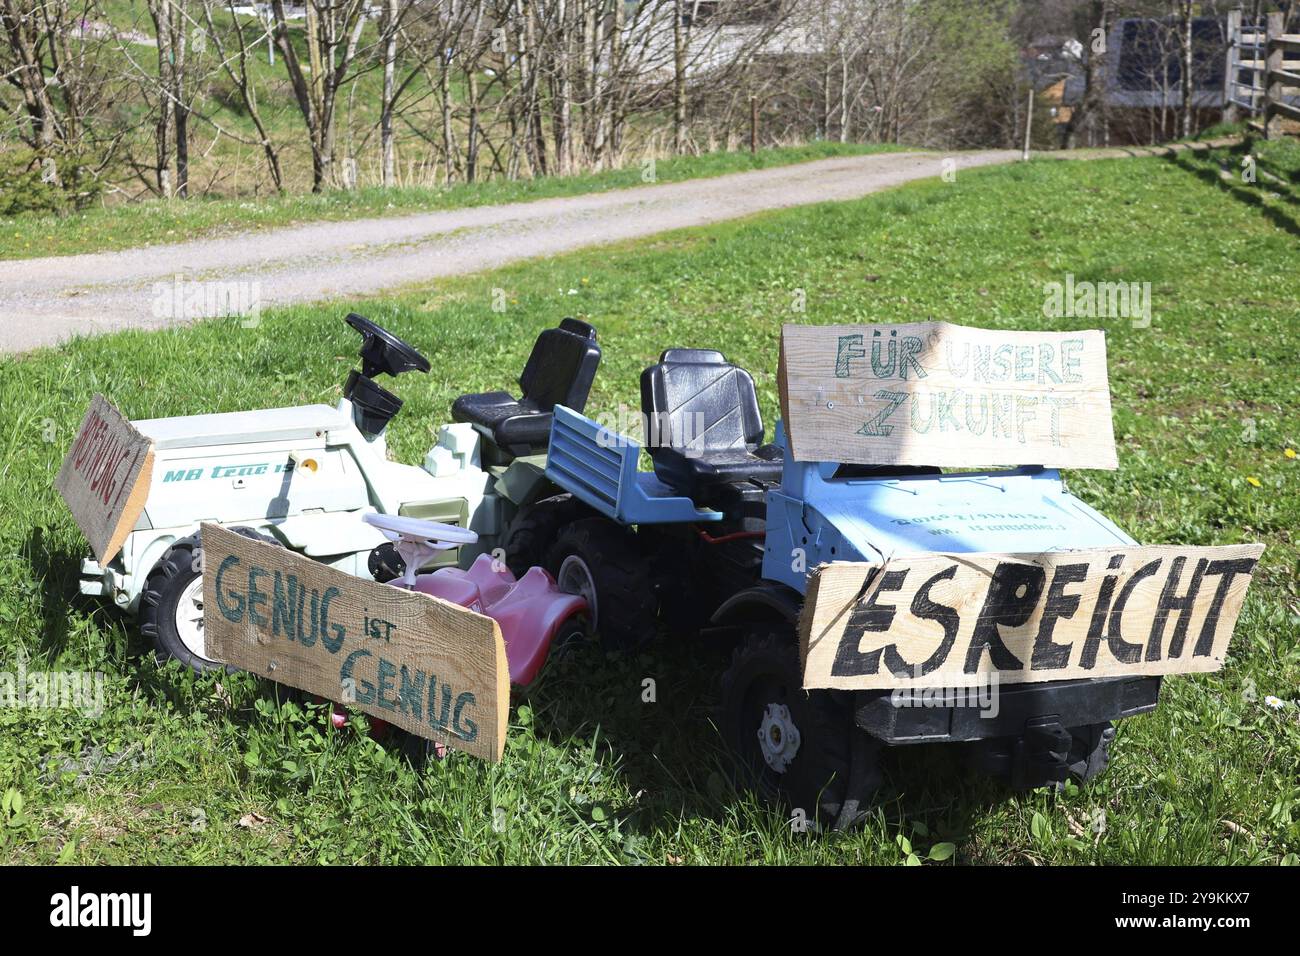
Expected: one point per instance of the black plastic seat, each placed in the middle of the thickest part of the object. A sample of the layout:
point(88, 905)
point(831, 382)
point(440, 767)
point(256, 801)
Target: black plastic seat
point(704, 425)
point(559, 371)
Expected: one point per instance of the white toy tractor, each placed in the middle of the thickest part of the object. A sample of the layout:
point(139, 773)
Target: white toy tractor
point(306, 477)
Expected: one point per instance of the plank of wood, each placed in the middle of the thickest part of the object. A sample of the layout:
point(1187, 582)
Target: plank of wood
point(953, 620)
point(105, 477)
point(1284, 109)
point(427, 666)
point(933, 393)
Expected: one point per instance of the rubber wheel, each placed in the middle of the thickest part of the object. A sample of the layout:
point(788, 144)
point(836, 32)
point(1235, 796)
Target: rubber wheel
point(762, 692)
point(600, 560)
point(171, 605)
point(420, 751)
point(535, 528)
point(1090, 751)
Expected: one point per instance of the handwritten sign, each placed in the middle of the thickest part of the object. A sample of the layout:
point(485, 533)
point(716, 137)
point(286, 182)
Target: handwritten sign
point(427, 666)
point(105, 477)
point(932, 393)
point(949, 620)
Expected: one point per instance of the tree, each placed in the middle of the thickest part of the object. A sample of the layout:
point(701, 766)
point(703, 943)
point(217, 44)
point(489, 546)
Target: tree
point(236, 68)
point(62, 89)
point(332, 36)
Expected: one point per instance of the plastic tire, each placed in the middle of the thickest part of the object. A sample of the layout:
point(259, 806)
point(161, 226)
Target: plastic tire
point(765, 672)
point(535, 528)
point(160, 602)
point(626, 608)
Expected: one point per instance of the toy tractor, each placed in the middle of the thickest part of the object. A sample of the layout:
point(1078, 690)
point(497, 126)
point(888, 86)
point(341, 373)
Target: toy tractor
point(722, 536)
point(309, 477)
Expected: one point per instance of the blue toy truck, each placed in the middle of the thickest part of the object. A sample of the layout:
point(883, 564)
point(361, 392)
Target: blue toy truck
point(723, 534)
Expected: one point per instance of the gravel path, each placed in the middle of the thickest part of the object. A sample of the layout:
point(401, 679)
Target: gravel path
point(45, 301)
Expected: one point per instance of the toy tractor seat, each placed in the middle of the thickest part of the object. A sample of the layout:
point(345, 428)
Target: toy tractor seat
point(705, 426)
point(559, 371)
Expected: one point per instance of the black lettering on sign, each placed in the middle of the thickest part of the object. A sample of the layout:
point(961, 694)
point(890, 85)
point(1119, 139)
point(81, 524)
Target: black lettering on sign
point(1012, 596)
point(1048, 655)
point(930, 610)
point(866, 617)
point(927, 610)
point(1170, 601)
point(1088, 659)
point(1122, 649)
point(1229, 569)
point(940, 619)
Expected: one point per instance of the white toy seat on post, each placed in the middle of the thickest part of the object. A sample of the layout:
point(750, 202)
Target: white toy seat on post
point(418, 540)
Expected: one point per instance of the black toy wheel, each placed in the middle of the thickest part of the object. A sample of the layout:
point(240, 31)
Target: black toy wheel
point(575, 629)
point(420, 751)
point(385, 564)
point(792, 746)
point(600, 560)
point(171, 605)
point(536, 527)
point(1090, 750)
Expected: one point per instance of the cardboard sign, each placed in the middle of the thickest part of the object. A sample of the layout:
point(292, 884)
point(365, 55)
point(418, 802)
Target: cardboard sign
point(950, 620)
point(932, 393)
point(433, 668)
point(105, 477)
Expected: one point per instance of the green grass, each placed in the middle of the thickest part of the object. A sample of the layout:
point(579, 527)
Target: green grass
point(154, 221)
point(1204, 407)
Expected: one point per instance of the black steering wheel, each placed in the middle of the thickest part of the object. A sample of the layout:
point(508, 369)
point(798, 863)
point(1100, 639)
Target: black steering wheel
point(382, 351)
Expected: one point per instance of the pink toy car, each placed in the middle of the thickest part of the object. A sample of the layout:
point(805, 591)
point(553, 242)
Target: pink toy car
point(532, 612)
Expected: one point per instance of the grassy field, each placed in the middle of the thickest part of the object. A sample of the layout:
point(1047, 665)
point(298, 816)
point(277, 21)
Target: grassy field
point(180, 769)
point(157, 220)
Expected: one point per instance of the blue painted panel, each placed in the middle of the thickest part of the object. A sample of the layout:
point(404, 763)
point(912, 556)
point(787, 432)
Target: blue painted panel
point(599, 467)
point(868, 519)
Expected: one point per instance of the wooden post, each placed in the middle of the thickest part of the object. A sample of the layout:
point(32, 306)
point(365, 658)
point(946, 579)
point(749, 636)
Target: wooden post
point(753, 124)
point(1029, 123)
point(1273, 87)
point(1230, 67)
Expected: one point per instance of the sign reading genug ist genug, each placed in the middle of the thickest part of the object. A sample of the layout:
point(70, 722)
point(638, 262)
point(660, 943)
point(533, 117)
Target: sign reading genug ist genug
point(430, 667)
point(949, 620)
point(933, 393)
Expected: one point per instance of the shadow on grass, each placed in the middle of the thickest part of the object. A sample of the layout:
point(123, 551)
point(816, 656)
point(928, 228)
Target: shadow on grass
point(1208, 171)
point(670, 752)
point(56, 574)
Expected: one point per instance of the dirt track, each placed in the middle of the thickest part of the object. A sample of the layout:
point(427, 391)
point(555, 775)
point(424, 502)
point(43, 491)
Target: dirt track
point(44, 301)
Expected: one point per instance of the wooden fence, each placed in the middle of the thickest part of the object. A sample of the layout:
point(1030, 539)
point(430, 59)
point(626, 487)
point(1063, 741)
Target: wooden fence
point(1261, 80)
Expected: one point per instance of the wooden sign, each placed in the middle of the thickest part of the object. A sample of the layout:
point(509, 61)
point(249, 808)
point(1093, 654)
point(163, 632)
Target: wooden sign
point(105, 477)
point(932, 393)
point(950, 620)
point(433, 668)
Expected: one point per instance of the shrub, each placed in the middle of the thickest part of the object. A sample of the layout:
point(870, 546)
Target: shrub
point(33, 183)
